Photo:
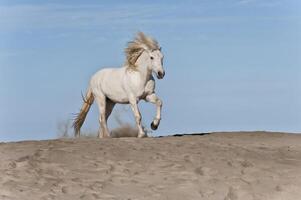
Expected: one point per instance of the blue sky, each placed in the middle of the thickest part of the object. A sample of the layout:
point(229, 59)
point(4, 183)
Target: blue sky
point(230, 65)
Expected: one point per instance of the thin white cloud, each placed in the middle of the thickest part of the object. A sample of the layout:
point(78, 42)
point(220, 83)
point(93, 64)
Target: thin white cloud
point(60, 16)
point(260, 3)
point(57, 16)
point(246, 1)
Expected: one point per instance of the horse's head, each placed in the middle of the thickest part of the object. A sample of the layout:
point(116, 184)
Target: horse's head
point(156, 62)
point(146, 51)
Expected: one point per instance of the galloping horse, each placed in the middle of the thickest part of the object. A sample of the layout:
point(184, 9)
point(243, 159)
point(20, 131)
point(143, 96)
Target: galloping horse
point(126, 85)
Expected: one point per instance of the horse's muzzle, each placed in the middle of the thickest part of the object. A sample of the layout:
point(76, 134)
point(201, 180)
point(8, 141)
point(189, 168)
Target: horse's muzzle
point(160, 75)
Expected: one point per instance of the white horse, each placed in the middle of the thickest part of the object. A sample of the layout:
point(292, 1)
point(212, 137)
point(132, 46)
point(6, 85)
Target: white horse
point(126, 85)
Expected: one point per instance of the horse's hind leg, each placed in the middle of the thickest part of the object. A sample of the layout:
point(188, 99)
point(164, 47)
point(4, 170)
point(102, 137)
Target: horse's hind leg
point(102, 106)
point(109, 108)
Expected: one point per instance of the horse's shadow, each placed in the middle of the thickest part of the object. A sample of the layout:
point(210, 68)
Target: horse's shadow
point(185, 134)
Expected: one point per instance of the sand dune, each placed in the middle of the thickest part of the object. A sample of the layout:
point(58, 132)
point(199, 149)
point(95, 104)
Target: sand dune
point(219, 166)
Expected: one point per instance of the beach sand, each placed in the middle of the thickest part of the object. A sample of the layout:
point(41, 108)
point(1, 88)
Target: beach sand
point(217, 166)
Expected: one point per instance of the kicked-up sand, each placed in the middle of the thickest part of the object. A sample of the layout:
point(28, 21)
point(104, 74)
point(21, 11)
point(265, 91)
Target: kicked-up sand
point(217, 166)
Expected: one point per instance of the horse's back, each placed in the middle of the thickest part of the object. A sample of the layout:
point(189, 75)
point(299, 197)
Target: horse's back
point(107, 74)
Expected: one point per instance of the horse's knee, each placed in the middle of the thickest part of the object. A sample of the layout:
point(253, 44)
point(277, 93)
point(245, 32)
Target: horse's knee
point(159, 102)
point(138, 118)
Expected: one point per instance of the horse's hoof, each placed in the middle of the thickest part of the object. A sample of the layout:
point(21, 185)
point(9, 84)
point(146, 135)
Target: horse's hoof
point(142, 136)
point(153, 126)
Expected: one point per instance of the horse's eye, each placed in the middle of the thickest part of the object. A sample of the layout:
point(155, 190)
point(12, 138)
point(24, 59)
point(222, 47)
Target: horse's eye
point(152, 58)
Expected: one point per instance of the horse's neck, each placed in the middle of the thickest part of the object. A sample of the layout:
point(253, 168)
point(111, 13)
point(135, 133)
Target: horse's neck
point(144, 71)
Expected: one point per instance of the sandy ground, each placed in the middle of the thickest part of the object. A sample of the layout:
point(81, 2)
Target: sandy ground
point(219, 166)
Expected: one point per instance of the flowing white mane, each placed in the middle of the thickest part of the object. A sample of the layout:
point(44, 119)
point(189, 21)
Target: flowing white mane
point(137, 46)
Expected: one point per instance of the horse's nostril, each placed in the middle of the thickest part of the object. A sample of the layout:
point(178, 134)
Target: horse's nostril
point(161, 74)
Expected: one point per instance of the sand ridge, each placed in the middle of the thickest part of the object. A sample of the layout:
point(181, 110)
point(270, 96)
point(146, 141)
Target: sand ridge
point(227, 166)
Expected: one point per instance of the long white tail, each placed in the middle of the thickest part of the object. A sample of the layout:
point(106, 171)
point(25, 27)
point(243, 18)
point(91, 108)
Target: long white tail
point(81, 116)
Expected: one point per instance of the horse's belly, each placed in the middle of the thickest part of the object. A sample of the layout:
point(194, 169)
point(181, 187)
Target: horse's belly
point(119, 98)
point(115, 92)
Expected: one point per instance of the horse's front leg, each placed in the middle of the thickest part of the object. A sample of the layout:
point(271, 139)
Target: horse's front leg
point(153, 98)
point(137, 114)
